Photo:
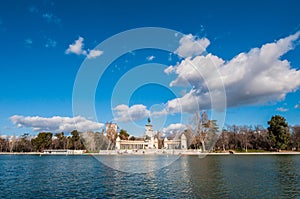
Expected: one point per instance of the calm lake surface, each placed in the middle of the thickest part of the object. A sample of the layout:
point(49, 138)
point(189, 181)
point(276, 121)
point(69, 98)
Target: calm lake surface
point(231, 176)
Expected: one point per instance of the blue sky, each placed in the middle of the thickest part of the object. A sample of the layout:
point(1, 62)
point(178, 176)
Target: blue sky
point(37, 71)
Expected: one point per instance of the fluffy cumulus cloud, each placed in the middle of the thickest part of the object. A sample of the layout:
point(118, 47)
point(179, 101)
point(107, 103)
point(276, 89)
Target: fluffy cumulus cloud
point(125, 113)
point(78, 48)
point(196, 72)
point(255, 77)
point(56, 123)
point(297, 106)
point(191, 46)
point(173, 128)
point(94, 53)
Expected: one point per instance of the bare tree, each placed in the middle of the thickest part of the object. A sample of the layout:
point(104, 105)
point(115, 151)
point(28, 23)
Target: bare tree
point(204, 130)
point(245, 136)
point(89, 140)
point(11, 142)
point(223, 141)
point(111, 134)
point(295, 137)
point(195, 128)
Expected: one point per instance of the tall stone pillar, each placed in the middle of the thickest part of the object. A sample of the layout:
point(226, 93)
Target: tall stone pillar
point(118, 143)
point(183, 142)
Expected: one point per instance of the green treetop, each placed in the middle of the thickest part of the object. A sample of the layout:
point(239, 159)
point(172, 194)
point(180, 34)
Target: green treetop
point(279, 134)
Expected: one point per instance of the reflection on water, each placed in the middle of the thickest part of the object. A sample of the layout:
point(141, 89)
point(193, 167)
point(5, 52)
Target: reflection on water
point(206, 177)
point(235, 176)
point(137, 163)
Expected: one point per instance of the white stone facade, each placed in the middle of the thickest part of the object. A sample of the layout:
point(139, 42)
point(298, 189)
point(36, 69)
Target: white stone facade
point(151, 142)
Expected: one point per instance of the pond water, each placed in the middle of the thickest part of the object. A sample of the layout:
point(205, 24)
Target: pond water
point(228, 176)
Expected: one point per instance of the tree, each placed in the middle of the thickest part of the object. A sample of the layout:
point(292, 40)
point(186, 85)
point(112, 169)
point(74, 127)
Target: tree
point(233, 136)
point(279, 134)
point(4, 147)
point(23, 144)
point(42, 141)
point(123, 134)
point(204, 131)
point(223, 141)
point(101, 141)
point(60, 142)
point(111, 134)
point(132, 138)
point(89, 140)
point(194, 131)
point(295, 137)
point(245, 137)
point(11, 143)
point(210, 128)
point(74, 142)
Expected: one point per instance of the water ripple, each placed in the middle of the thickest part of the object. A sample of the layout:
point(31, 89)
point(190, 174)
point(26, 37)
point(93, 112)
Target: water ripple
point(267, 176)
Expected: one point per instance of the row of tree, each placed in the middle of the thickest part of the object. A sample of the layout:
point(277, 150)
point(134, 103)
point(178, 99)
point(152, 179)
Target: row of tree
point(278, 136)
point(44, 140)
point(202, 133)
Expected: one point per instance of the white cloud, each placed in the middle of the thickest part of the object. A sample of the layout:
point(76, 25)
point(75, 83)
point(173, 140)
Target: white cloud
point(56, 123)
point(94, 53)
point(255, 77)
point(169, 70)
point(173, 128)
point(281, 109)
point(28, 42)
point(191, 46)
point(159, 113)
point(50, 43)
point(191, 71)
point(150, 58)
point(48, 17)
point(11, 137)
point(51, 18)
point(77, 48)
point(297, 106)
point(133, 113)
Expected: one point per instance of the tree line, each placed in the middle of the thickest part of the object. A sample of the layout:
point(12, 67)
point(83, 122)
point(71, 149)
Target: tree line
point(44, 140)
point(278, 136)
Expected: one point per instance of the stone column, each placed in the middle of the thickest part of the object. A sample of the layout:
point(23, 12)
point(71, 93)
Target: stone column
point(118, 143)
point(183, 142)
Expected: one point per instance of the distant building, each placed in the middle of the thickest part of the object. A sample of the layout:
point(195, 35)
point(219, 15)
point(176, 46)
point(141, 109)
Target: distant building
point(150, 135)
point(151, 141)
point(176, 143)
